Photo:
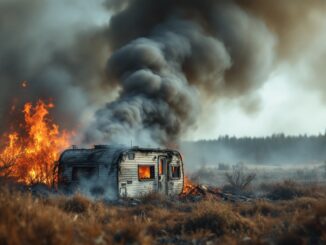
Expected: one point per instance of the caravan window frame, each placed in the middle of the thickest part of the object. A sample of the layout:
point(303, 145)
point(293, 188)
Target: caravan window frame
point(170, 171)
point(152, 167)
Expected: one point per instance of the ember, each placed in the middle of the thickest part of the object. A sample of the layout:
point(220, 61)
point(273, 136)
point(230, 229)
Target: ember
point(24, 84)
point(29, 155)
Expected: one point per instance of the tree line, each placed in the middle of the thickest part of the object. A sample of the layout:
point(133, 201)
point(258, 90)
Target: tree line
point(275, 149)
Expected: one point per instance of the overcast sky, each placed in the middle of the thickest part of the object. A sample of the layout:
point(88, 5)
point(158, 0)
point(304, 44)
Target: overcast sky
point(286, 106)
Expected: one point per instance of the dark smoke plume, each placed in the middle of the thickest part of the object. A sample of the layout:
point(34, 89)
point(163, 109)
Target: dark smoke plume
point(168, 56)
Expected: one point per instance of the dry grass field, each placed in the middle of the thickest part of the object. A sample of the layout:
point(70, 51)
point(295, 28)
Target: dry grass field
point(292, 219)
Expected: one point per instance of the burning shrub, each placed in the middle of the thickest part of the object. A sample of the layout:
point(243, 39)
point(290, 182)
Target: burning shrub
point(31, 152)
point(6, 165)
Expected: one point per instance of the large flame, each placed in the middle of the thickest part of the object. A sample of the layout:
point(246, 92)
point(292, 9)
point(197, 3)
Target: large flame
point(30, 154)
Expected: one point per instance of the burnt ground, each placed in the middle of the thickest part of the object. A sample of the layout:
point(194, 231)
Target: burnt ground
point(289, 213)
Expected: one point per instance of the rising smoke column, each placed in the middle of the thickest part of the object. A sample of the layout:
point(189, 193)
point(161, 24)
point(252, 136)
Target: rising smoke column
point(168, 56)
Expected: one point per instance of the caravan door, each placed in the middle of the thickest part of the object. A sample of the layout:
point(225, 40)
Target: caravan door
point(162, 175)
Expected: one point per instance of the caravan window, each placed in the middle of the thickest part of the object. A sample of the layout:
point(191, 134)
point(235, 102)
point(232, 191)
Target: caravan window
point(146, 172)
point(175, 172)
point(79, 173)
point(131, 155)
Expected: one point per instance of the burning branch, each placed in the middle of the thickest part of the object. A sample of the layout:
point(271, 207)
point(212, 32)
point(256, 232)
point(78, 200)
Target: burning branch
point(6, 165)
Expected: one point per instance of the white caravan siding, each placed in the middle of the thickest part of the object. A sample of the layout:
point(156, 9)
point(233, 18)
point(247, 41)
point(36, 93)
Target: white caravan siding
point(129, 184)
point(175, 186)
point(128, 175)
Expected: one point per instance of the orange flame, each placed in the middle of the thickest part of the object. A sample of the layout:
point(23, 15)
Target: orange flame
point(30, 156)
point(188, 186)
point(144, 172)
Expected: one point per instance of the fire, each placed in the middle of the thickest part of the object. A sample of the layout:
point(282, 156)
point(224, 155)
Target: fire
point(188, 186)
point(30, 154)
point(144, 172)
point(191, 190)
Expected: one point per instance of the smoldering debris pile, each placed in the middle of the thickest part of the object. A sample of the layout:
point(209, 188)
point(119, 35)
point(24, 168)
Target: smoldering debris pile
point(197, 192)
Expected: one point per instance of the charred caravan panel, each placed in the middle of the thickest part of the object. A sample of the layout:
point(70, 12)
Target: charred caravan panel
point(118, 171)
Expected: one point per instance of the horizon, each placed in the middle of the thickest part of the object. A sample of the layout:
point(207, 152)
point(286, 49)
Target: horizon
point(259, 137)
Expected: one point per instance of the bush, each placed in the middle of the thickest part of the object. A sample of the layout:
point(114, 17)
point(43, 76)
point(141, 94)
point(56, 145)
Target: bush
point(78, 204)
point(215, 219)
point(287, 190)
point(238, 179)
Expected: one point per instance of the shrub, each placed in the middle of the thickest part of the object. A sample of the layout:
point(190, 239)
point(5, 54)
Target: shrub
point(238, 179)
point(216, 219)
point(261, 208)
point(284, 191)
point(78, 204)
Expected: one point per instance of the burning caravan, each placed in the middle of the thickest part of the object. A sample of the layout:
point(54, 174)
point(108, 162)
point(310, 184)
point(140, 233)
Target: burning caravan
point(119, 171)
